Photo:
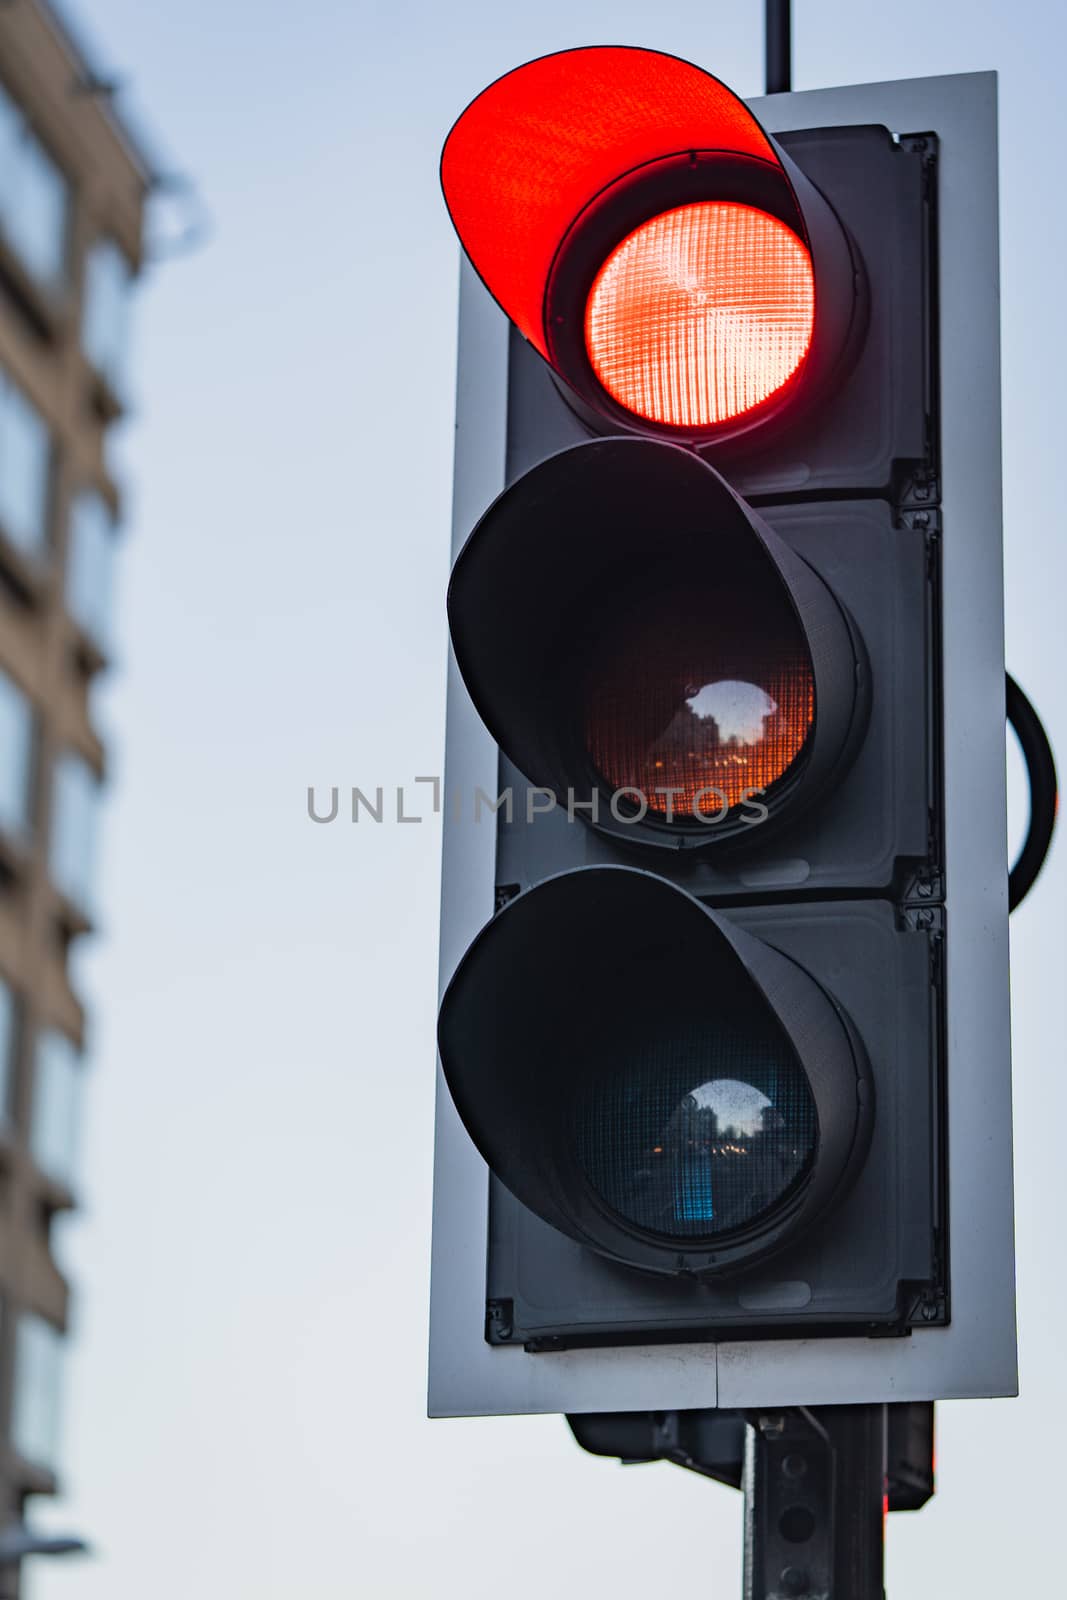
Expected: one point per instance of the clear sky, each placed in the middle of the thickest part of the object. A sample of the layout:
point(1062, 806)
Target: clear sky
point(245, 1406)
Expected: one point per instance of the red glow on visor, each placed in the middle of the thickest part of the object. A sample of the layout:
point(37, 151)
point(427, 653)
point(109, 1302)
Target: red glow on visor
point(701, 314)
point(530, 153)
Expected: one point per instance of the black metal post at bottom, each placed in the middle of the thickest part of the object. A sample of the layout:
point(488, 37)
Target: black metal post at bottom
point(815, 1498)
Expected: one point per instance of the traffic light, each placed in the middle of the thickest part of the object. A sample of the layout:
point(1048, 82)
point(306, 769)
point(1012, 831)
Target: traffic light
point(724, 907)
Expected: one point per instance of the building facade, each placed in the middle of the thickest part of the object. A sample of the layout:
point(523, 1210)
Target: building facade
point(73, 187)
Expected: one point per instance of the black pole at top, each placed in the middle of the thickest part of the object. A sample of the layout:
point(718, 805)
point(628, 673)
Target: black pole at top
point(778, 47)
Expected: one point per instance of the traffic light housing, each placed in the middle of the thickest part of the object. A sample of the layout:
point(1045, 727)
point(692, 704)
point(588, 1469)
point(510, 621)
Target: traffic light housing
point(704, 1046)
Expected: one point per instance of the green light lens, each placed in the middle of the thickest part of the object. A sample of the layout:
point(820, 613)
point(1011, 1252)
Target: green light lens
point(699, 1132)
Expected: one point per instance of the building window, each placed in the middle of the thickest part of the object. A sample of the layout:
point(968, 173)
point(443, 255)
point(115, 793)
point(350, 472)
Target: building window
point(24, 468)
point(35, 1410)
point(34, 198)
point(8, 1041)
point(91, 565)
point(105, 325)
point(55, 1123)
point(16, 759)
point(75, 806)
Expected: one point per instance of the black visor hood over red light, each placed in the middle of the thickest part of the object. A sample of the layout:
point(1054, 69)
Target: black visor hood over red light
point(553, 166)
point(612, 615)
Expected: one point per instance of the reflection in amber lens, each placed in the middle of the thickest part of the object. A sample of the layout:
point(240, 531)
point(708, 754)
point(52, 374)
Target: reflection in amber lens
point(705, 693)
point(701, 314)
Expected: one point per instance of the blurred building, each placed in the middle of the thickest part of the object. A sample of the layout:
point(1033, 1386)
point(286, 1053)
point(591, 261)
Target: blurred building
point(73, 186)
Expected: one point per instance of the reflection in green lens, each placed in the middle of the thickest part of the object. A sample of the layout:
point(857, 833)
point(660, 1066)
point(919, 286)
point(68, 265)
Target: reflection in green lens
point(700, 1131)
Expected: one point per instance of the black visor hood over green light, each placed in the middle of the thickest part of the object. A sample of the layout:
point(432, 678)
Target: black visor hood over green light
point(571, 983)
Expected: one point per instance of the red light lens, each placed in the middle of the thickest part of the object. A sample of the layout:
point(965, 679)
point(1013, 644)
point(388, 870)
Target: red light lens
point(531, 152)
point(701, 314)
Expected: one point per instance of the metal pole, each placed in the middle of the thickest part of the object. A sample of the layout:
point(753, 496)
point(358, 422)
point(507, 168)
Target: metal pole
point(815, 1500)
point(778, 43)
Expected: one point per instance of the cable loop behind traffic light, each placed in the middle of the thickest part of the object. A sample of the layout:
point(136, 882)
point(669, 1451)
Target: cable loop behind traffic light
point(1044, 798)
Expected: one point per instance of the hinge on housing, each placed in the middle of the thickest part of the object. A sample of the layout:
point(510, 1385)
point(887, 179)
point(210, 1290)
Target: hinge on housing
point(920, 489)
point(937, 961)
point(499, 1321)
point(924, 887)
point(925, 145)
point(923, 919)
point(928, 524)
point(925, 1303)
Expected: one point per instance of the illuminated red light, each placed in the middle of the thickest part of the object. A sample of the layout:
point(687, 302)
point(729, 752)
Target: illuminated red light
point(701, 314)
point(534, 148)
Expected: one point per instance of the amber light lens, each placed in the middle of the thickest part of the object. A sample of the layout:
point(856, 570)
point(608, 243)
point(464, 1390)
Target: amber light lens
point(701, 314)
point(708, 693)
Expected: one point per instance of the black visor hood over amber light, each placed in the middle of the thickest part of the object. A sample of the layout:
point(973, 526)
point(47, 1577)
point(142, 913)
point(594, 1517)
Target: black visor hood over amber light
point(569, 555)
point(552, 166)
point(580, 975)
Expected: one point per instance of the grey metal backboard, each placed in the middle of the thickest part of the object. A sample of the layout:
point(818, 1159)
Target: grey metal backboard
point(976, 1354)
